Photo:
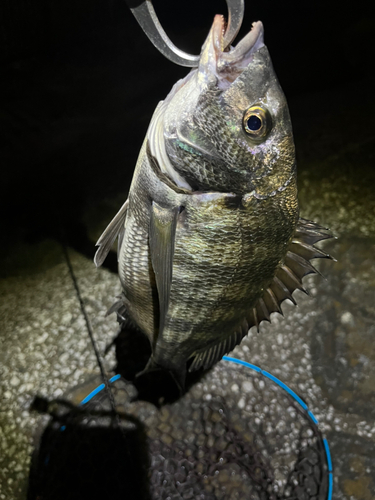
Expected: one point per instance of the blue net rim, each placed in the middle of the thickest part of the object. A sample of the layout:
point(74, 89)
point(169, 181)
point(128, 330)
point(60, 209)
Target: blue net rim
point(303, 406)
point(274, 379)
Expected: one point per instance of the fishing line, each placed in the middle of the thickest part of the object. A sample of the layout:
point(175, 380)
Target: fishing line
point(91, 334)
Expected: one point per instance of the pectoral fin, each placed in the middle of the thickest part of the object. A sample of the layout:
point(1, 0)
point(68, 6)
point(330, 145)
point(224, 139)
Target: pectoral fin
point(163, 223)
point(115, 228)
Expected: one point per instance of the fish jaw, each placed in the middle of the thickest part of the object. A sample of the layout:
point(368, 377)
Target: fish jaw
point(226, 66)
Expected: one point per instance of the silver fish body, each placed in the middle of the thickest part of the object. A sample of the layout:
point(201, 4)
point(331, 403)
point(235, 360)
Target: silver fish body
point(210, 239)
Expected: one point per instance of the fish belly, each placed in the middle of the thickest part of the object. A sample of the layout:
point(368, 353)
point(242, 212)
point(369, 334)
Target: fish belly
point(225, 257)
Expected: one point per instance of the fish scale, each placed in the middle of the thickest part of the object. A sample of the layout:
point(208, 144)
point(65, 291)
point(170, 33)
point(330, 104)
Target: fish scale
point(135, 253)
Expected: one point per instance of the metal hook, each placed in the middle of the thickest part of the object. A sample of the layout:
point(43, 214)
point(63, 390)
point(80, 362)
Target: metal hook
point(144, 12)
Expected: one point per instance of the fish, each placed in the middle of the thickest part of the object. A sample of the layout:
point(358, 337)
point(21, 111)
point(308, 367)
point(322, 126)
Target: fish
point(210, 242)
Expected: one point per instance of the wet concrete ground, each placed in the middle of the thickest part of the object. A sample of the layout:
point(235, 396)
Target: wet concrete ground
point(324, 349)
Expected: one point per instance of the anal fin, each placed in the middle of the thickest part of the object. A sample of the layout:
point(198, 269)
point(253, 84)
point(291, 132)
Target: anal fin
point(162, 233)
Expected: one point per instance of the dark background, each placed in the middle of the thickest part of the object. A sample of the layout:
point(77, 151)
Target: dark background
point(80, 81)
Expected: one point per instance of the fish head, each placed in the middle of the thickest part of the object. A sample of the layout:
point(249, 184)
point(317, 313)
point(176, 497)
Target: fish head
point(227, 126)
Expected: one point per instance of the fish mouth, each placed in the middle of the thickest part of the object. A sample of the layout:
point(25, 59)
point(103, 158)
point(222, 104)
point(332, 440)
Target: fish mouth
point(228, 63)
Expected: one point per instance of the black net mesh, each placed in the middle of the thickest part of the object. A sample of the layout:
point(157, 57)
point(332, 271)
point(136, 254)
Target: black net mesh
point(236, 434)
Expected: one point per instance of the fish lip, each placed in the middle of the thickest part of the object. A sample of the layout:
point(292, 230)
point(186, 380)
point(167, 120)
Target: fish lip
point(250, 44)
point(229, 63)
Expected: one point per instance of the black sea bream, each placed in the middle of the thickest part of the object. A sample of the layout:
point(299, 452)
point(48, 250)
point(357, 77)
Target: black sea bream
point(210, 240)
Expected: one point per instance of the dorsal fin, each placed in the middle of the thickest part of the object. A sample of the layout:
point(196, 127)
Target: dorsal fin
point(115, 228)
point(163, 223)
point(289, 274)
point(287, 279)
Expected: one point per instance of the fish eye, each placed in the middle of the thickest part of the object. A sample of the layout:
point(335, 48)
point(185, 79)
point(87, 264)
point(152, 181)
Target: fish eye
point(257, 122)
